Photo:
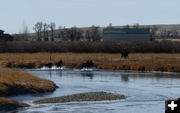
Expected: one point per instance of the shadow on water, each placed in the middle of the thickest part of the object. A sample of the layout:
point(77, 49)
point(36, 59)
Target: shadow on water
point(89, 74)
point(124, 78)
point(51, 73)
point(59, 73)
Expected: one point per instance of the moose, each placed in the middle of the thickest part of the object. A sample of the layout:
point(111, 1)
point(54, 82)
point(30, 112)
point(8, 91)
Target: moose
point(88, 64)
point(58, 64)
point(124, 53)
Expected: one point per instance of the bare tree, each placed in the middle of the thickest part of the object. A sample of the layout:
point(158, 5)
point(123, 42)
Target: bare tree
point(25, 32)
point(79, 34)
point(62, 33)
point(127, 26)
point(153, 32)
point(38, 29)
point(110, 25)
point(74, 34)
point(136, 25)
point(174, 33)
point(95, 33)
point(45, 32)
point(88, 35)
point(52, 27)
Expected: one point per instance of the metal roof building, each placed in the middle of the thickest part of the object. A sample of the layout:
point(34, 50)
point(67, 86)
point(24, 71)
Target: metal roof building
point(128, 34)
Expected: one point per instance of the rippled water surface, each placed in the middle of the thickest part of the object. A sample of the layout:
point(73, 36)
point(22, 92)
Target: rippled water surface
point(146, 91)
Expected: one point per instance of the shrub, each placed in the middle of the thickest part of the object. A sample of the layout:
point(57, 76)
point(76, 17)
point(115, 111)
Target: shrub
point(91, 47)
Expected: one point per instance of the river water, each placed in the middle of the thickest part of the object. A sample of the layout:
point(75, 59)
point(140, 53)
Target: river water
point(146, 91)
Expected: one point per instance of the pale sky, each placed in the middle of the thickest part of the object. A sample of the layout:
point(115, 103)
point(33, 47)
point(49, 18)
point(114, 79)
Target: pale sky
point(82, 13)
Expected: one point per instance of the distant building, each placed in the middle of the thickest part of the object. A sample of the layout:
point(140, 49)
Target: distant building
point(127, 34)
point(5, 37)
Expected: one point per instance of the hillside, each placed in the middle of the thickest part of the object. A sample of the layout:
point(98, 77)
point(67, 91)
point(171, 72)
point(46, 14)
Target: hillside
point(159, 29)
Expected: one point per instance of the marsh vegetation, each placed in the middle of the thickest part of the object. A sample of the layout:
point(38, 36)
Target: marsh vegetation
point(136, 61)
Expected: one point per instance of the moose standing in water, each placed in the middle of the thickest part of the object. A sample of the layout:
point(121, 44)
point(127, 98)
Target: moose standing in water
point(88, 64)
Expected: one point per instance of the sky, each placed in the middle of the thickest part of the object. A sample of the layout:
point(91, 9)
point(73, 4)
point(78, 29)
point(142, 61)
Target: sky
point(15, 14)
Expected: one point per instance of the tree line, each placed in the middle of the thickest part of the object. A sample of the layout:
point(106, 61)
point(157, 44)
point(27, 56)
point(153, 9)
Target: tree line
point(90, 47)
point(48, 32)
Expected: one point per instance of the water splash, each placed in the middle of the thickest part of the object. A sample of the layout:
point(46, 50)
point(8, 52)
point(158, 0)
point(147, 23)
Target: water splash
point(54, 67)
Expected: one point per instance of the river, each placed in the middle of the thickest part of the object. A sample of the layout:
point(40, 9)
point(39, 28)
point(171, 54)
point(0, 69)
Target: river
point(146, 92)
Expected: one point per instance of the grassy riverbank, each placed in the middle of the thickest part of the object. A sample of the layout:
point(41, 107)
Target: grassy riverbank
point(13, 82)
point(7, 104)
point(138, 62)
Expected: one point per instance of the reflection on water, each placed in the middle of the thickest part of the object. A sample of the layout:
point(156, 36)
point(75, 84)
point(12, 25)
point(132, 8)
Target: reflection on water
point(154, 75)
point(51, 72)
point(124, 78)
point(59, 73)
point(87, 74)
point(144, 90)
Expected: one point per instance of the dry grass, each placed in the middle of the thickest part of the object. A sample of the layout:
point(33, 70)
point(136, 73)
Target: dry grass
point(14, 82)
point(138, 62)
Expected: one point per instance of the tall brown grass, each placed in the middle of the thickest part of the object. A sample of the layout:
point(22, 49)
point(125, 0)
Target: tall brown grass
point(138, 62)
point(7, 104)
point(14, 82)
